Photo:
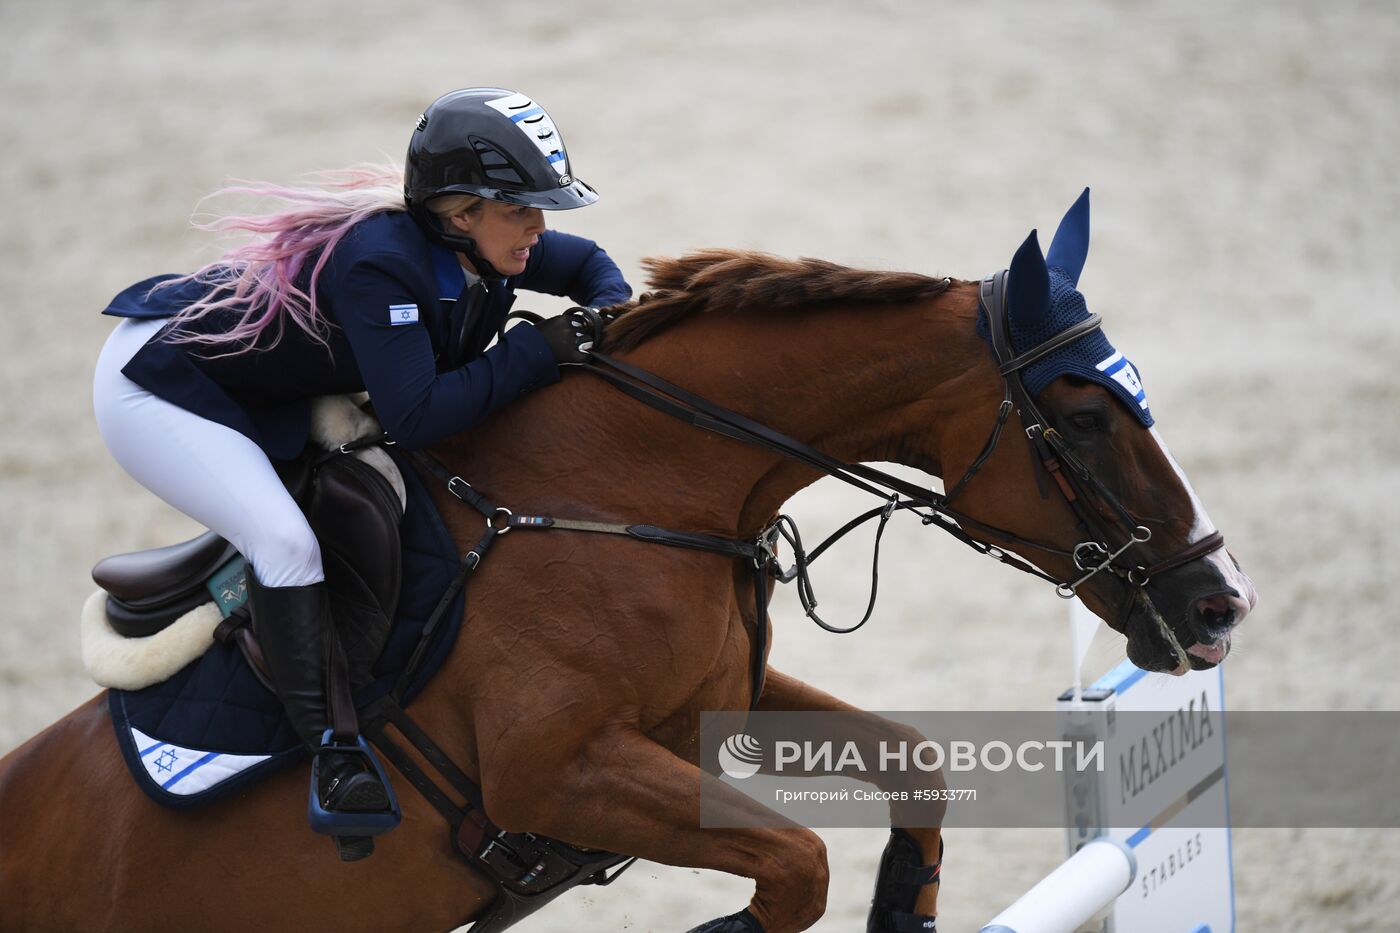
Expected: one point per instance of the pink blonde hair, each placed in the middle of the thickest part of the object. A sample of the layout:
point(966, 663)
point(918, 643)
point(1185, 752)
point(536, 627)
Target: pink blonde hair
point(258, 278)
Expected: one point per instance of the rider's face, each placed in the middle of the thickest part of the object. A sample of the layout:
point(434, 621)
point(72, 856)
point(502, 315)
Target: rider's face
point(504, 233)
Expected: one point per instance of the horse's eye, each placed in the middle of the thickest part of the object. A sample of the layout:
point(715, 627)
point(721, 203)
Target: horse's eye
point(1086, 421)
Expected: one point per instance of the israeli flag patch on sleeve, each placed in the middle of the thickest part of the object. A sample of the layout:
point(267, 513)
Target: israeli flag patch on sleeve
point(403, 314)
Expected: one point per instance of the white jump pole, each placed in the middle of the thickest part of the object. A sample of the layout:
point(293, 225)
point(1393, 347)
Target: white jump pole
point(1072, 894)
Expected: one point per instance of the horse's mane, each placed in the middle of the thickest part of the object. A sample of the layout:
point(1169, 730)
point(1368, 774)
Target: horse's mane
point(737, 280)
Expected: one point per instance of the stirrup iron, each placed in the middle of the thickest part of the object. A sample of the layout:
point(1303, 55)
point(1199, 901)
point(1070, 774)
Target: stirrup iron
point(350, 823)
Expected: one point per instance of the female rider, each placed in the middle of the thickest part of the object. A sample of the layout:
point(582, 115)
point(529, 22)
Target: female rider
point(380, 283)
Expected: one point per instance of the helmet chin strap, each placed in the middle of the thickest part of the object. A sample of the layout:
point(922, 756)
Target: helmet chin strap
point(456, 241)
point(483, 268)
point(467, 246)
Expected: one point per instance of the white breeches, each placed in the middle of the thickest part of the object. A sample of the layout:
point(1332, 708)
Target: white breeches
point(212, 473)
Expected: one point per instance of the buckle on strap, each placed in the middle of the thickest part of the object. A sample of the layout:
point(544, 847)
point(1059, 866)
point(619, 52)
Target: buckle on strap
point(464, 492)
point(766, 548)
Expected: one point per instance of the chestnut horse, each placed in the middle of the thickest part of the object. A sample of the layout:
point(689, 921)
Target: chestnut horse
point(574, 692)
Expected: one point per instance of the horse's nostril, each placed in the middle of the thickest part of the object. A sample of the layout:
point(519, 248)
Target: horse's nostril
point(1214, 615)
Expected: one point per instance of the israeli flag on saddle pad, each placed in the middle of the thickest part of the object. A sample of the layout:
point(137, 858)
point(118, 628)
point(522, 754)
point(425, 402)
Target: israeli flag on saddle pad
point(1043, 299)
point(186, 771)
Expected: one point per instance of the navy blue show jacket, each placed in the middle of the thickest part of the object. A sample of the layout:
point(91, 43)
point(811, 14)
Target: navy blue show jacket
point(388, 295)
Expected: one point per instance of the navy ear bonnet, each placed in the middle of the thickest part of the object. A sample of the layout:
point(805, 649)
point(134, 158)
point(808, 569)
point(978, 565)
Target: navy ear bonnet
point(1039, 309)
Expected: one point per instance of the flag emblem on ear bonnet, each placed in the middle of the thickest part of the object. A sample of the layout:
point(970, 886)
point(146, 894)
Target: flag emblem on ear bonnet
point(1043, 299)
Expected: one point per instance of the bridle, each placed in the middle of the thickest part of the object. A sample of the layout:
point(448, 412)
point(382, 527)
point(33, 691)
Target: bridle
point(1075, 481)
point(1103, 548)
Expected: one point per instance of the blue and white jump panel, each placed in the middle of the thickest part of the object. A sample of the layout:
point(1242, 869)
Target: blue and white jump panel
point(1172, 873)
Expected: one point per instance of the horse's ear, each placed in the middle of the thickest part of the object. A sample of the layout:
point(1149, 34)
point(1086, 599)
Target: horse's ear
point(1028, 285)
point(1070, 247)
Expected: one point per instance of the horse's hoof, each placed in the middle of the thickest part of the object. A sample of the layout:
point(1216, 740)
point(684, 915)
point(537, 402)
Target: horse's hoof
point(742, 922)
point(354, 848)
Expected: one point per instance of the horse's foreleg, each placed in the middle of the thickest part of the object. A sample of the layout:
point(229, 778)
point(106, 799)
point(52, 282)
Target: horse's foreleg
point(622, 792)
point(921, 844)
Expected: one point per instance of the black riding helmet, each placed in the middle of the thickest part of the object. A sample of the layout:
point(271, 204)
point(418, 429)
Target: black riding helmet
point(494, 143)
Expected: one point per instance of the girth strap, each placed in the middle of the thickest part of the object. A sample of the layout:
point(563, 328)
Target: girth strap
point(529, 871)
point(453, 814)
point(387, 711)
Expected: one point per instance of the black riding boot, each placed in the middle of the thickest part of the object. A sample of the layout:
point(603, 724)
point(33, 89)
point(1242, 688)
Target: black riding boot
point(291, 624)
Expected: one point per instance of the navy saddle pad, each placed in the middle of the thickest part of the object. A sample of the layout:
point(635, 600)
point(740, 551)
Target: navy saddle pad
point(213, 729)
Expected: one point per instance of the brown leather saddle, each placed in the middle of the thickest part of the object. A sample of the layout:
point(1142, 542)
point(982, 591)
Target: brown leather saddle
point(353, 510)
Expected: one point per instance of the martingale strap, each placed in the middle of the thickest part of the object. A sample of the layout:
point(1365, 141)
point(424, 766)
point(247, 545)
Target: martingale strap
point(758, 553)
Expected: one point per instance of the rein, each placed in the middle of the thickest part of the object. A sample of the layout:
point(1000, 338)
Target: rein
point(1093, 555)
point(1071, 476)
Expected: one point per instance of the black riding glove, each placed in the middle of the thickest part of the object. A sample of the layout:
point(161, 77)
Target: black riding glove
point(564, 334)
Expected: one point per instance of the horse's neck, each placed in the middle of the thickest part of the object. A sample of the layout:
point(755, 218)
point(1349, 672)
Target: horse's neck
point(858, 383)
